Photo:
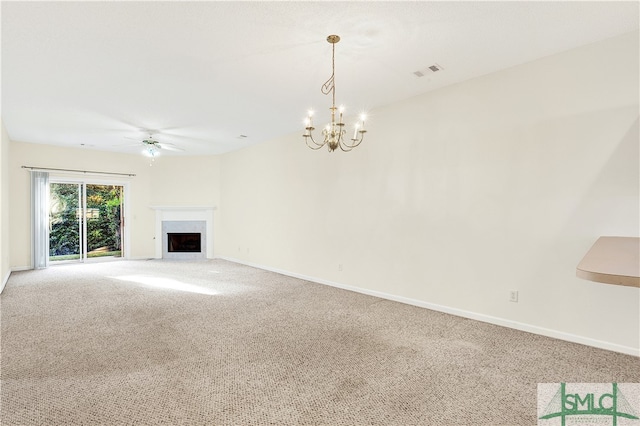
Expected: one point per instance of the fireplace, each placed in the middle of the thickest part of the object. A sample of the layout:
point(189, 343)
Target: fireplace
point(184, 242)
point(184, 239)
point(184, 220)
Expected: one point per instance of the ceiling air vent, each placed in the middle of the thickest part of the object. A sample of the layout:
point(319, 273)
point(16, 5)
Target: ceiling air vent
point(428, 70)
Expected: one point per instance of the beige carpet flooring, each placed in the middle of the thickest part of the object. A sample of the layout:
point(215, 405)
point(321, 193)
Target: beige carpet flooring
point(213, 342)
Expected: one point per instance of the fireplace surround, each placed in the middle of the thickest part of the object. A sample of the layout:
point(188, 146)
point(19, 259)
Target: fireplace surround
point(184, 220)
point(182, 228)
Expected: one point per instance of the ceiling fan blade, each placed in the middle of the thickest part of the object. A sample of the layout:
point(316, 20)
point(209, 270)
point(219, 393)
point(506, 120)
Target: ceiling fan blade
point(129, 144)
point(169, 147)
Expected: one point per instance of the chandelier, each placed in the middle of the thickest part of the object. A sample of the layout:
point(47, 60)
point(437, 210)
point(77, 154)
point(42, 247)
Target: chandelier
point(334, 132)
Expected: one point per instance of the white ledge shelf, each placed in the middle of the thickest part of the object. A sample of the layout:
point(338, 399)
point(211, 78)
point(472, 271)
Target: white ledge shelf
point(612, 260)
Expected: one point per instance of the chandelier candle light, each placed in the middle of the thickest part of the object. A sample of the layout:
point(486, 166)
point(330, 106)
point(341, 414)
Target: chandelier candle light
point(334, 131)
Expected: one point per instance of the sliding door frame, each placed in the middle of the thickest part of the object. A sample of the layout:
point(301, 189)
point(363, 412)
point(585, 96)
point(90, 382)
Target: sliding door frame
point(97, 180)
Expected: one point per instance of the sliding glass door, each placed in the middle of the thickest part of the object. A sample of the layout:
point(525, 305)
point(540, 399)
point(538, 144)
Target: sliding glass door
point(85, 221)
point(65, 224)
point(103, 213)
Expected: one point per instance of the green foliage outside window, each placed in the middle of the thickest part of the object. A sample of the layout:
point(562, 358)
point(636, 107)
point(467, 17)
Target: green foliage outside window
point(103, 221)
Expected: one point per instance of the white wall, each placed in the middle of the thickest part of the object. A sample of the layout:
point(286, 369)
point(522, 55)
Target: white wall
point(5, 262)
point(170, 181)
point(188, 181)
point(457, 196)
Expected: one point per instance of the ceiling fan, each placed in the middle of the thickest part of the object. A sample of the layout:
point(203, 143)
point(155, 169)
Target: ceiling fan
point(152, 147)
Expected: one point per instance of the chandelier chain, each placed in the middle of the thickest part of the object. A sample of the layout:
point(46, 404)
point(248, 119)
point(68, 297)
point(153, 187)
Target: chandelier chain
point(330, 85)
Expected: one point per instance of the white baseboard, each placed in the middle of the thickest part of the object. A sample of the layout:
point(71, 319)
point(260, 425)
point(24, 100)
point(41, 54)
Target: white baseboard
point(21, 268)
point(4, 281)
point(556, 334)
point(139, 258)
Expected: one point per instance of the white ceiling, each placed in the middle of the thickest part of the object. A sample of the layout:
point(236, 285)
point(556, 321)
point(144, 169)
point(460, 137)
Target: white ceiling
point(200, 74)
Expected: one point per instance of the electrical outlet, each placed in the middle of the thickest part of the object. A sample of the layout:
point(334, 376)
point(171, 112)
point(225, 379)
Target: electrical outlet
point(513, 296)
point(339, 266)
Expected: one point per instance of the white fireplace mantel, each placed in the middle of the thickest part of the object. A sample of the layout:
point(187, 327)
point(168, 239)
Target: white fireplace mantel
point(183, 213)
point(183, 208)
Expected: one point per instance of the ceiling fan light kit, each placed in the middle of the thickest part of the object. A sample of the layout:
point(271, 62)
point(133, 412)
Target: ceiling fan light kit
point(151, 151)
point(334, 132)
point(153, 148)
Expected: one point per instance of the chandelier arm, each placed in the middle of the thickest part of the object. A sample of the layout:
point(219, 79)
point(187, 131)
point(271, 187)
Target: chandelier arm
point(341, 133)
point(315, 148)
point(355, 142)
point(345, 147)
point(317, 145)
point(359, 141)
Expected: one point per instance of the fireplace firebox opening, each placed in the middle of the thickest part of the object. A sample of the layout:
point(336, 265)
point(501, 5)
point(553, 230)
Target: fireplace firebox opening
point(184, 242)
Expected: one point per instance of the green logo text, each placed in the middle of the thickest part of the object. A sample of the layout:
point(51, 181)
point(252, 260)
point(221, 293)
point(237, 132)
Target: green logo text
point(612, 404)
